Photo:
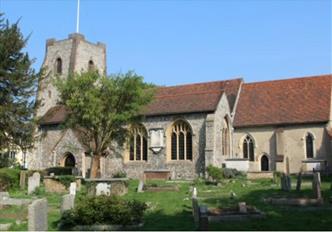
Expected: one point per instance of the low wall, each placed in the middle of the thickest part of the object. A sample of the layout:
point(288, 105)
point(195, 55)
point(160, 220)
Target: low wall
point(259, 175)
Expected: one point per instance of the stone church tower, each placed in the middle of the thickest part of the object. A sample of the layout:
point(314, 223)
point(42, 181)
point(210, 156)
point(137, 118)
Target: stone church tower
point(63, 57)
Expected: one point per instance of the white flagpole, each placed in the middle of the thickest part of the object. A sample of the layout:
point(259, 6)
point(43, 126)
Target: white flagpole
point(78, 17)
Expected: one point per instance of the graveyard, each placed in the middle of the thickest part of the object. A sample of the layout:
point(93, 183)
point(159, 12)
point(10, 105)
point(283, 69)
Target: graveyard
point(179, 204)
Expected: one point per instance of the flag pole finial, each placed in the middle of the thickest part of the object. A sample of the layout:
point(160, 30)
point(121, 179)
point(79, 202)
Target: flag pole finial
point(78, 17)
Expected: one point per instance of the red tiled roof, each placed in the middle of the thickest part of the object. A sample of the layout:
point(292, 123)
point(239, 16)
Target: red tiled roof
point(200, 97)
point(54, 115)
point(291, 101)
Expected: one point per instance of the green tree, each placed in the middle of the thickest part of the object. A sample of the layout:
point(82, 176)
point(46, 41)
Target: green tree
point(100, 108)
point(18, 86)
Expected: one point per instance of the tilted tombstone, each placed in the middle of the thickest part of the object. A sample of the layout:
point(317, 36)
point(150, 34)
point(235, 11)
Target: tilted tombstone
point(316, 185)
point(33, 182)
point(37, 215)
point(67, 202)
point(285, 183)
point(299, 182)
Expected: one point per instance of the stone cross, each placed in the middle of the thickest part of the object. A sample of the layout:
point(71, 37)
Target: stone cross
point(33, 182)
point(103, 189)
point(72, 188)
point(316, 185)
point(37, 215)
point(67, 202)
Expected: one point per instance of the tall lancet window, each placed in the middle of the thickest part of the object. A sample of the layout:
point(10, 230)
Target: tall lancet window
point(225, 136)
point(309, 145)
point(138, 145)
point(248, 148)
point(181, 141)
point(58, 66)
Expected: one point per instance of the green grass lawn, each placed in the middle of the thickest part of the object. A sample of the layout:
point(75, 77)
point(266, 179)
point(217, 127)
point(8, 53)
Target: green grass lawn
point(172, 210)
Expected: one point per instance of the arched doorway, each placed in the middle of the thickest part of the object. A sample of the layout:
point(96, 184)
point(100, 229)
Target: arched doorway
point(69, 160)
point(264, 163)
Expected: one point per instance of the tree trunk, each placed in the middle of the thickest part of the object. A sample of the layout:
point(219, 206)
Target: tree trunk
point(95, 167)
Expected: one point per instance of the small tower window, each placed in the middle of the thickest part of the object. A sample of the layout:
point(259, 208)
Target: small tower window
point(58, 66)
point(309, 142)
point(91, 65)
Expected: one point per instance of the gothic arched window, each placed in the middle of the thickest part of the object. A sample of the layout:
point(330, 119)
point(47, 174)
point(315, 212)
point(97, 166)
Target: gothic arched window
point(181, 141)
point(248, 148)
point(138, 145)
point(58, 66)
point(225, 136)
point(91, 66)
point(309, 145)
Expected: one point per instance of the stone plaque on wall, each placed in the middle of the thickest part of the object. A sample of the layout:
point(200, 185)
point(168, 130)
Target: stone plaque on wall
point(157, 139)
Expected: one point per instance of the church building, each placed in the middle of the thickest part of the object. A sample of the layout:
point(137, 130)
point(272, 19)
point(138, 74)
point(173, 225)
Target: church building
point(253, 127)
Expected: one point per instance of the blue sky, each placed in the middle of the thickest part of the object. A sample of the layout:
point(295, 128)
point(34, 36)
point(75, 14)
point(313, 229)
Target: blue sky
point(174, 42)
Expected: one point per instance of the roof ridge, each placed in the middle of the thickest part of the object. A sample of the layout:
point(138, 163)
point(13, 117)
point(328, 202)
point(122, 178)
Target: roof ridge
point(191, 93)
point(288, 79)
point(200, 83)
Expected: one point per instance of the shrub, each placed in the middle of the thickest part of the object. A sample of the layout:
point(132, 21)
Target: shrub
point(215, 173)
point(66, 180)
point(9, 178)
point(103, 210)
point(120, 174)
point(6, 162)
point(59, 171)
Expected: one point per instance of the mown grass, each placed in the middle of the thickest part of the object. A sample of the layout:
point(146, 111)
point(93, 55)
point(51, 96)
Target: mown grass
point(172, 210)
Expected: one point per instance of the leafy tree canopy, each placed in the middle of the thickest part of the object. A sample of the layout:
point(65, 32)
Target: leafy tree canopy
point(100, 107)
point(18, 86)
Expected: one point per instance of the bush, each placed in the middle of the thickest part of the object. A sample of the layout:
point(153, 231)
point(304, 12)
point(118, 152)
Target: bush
point(6, 162)
point(120, 174)
point(66, 180)
point(215, 173)
point(59, 171)
point(9, 178)
point(103, 210)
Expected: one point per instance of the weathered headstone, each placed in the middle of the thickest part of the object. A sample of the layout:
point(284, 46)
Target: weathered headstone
point(316, 185)
point(286, 184)
point(299, 182)
point(103, 189)
point(33, 182)
point(194, 195)
point(37, 215)
point(72, 188)
point(140, 186)
point(203, 218)
point(4, 195)
point(195, 209)
point(67, 202)
point(23, 179)
point(242, 207)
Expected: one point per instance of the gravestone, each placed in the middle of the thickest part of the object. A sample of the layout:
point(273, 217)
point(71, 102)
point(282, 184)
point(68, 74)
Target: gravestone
point(23, 179)
point(140, 186)
point(242, 207)
point(195, 209)
point(33, 182)
point(4, 195)
point(103, 189)
point(203, 218)
point(286, 184)
point(72, 188)
point(67, 202)
point(316, 185)
point(194, 195)
point(299, 182)
point(37, 215)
